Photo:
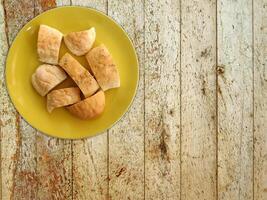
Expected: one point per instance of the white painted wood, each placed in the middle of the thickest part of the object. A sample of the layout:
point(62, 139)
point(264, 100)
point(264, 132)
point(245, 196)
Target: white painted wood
point(7, 114)
point(198, 99)
point(54, 172)
point(126, 138)
point(63, 2)
point(162, 100)
point(17, 173)
point(260, 99)
point(235, 100)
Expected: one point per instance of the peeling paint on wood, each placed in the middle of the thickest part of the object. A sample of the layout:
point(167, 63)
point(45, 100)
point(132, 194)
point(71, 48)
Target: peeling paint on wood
point(8, 114)
point(162, 99)
point(260, 99)
point(165, 146)
point(19, 176)
point(126, 138)
point(54, 170)
point(198, 108)
point(25, 178)
point(235, 100)
point(63, 2)
point(24, 174)
point(44, 5)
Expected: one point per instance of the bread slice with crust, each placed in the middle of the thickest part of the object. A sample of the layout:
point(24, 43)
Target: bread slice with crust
point(62, 97)
point(79, 43)
point(90, 107)
point(48, 44)
point(79, 74)
point(46, 77)
point(103, 68)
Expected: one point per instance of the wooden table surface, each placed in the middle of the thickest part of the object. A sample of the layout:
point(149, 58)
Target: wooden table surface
point(198, 125)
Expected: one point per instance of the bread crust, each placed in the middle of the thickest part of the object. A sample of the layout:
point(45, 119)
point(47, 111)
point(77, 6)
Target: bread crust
point(48, 44)
point(79, 43)
point(90, 107)
point(62, 97)
point(103, 67)
point(46, 77)
point(79, 74)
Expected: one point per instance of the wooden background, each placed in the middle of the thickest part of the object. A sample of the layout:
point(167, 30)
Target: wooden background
point(198, 125)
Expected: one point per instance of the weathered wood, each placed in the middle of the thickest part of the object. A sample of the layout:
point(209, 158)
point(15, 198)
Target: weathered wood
point(54, 156)
point(162, 99)
point(126, 138)
point(63, 2)
point(260, 99)
point(54, 170)
point(235, 100)
point(173, 96)
point(25, 179)
point(198, 99)
point(90, 156)
point(8, 118)
point(18, 163)
point(43, 5)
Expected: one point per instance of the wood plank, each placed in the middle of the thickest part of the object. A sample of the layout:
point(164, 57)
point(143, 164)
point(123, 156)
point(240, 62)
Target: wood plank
point(25, 178)
point(18, 159)
point(8, 118)
point(54, 156)
point(235, 100)
point(162, 99)
point(90, 156)
point(54, 168)
point(260, 99)
point(25, 181)
point(63, 2)
point(198, 99)
point(126, 138)
point(43, 5)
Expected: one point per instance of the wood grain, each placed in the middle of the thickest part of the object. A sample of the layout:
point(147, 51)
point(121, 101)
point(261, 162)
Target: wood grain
point(8, 117)
point(63, 2)
point(198, 99)
point(126, 138)
point(18, 174)
point(260, 99)
point(54, 168)
point(25, 178)
point(43, 5)
point(235, 100)
point(165, 146)
point(162, 100)
point(90, 156)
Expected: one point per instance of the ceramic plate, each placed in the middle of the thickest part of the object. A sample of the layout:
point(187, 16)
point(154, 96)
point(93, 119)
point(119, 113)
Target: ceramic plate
point(22, 61)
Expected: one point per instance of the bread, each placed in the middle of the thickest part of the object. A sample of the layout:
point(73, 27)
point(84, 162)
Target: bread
point(90, 107)
point(46, 77)
point(79, 43)
point(62, 97)
point(48, 44)
point(79, 74)
point(103, 68)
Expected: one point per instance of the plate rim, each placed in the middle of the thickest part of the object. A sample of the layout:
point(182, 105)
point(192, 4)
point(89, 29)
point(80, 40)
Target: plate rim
point(12, 99)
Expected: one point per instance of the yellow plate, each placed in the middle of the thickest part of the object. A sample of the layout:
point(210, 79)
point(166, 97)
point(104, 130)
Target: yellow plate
point(22, 61)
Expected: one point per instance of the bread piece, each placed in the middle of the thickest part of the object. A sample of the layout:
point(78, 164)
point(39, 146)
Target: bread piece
point(79, 74)
point(79, 43)
point(48, 44)
point(103, 67)
point(46, 77)
point(62, 97)
point(90, 107)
